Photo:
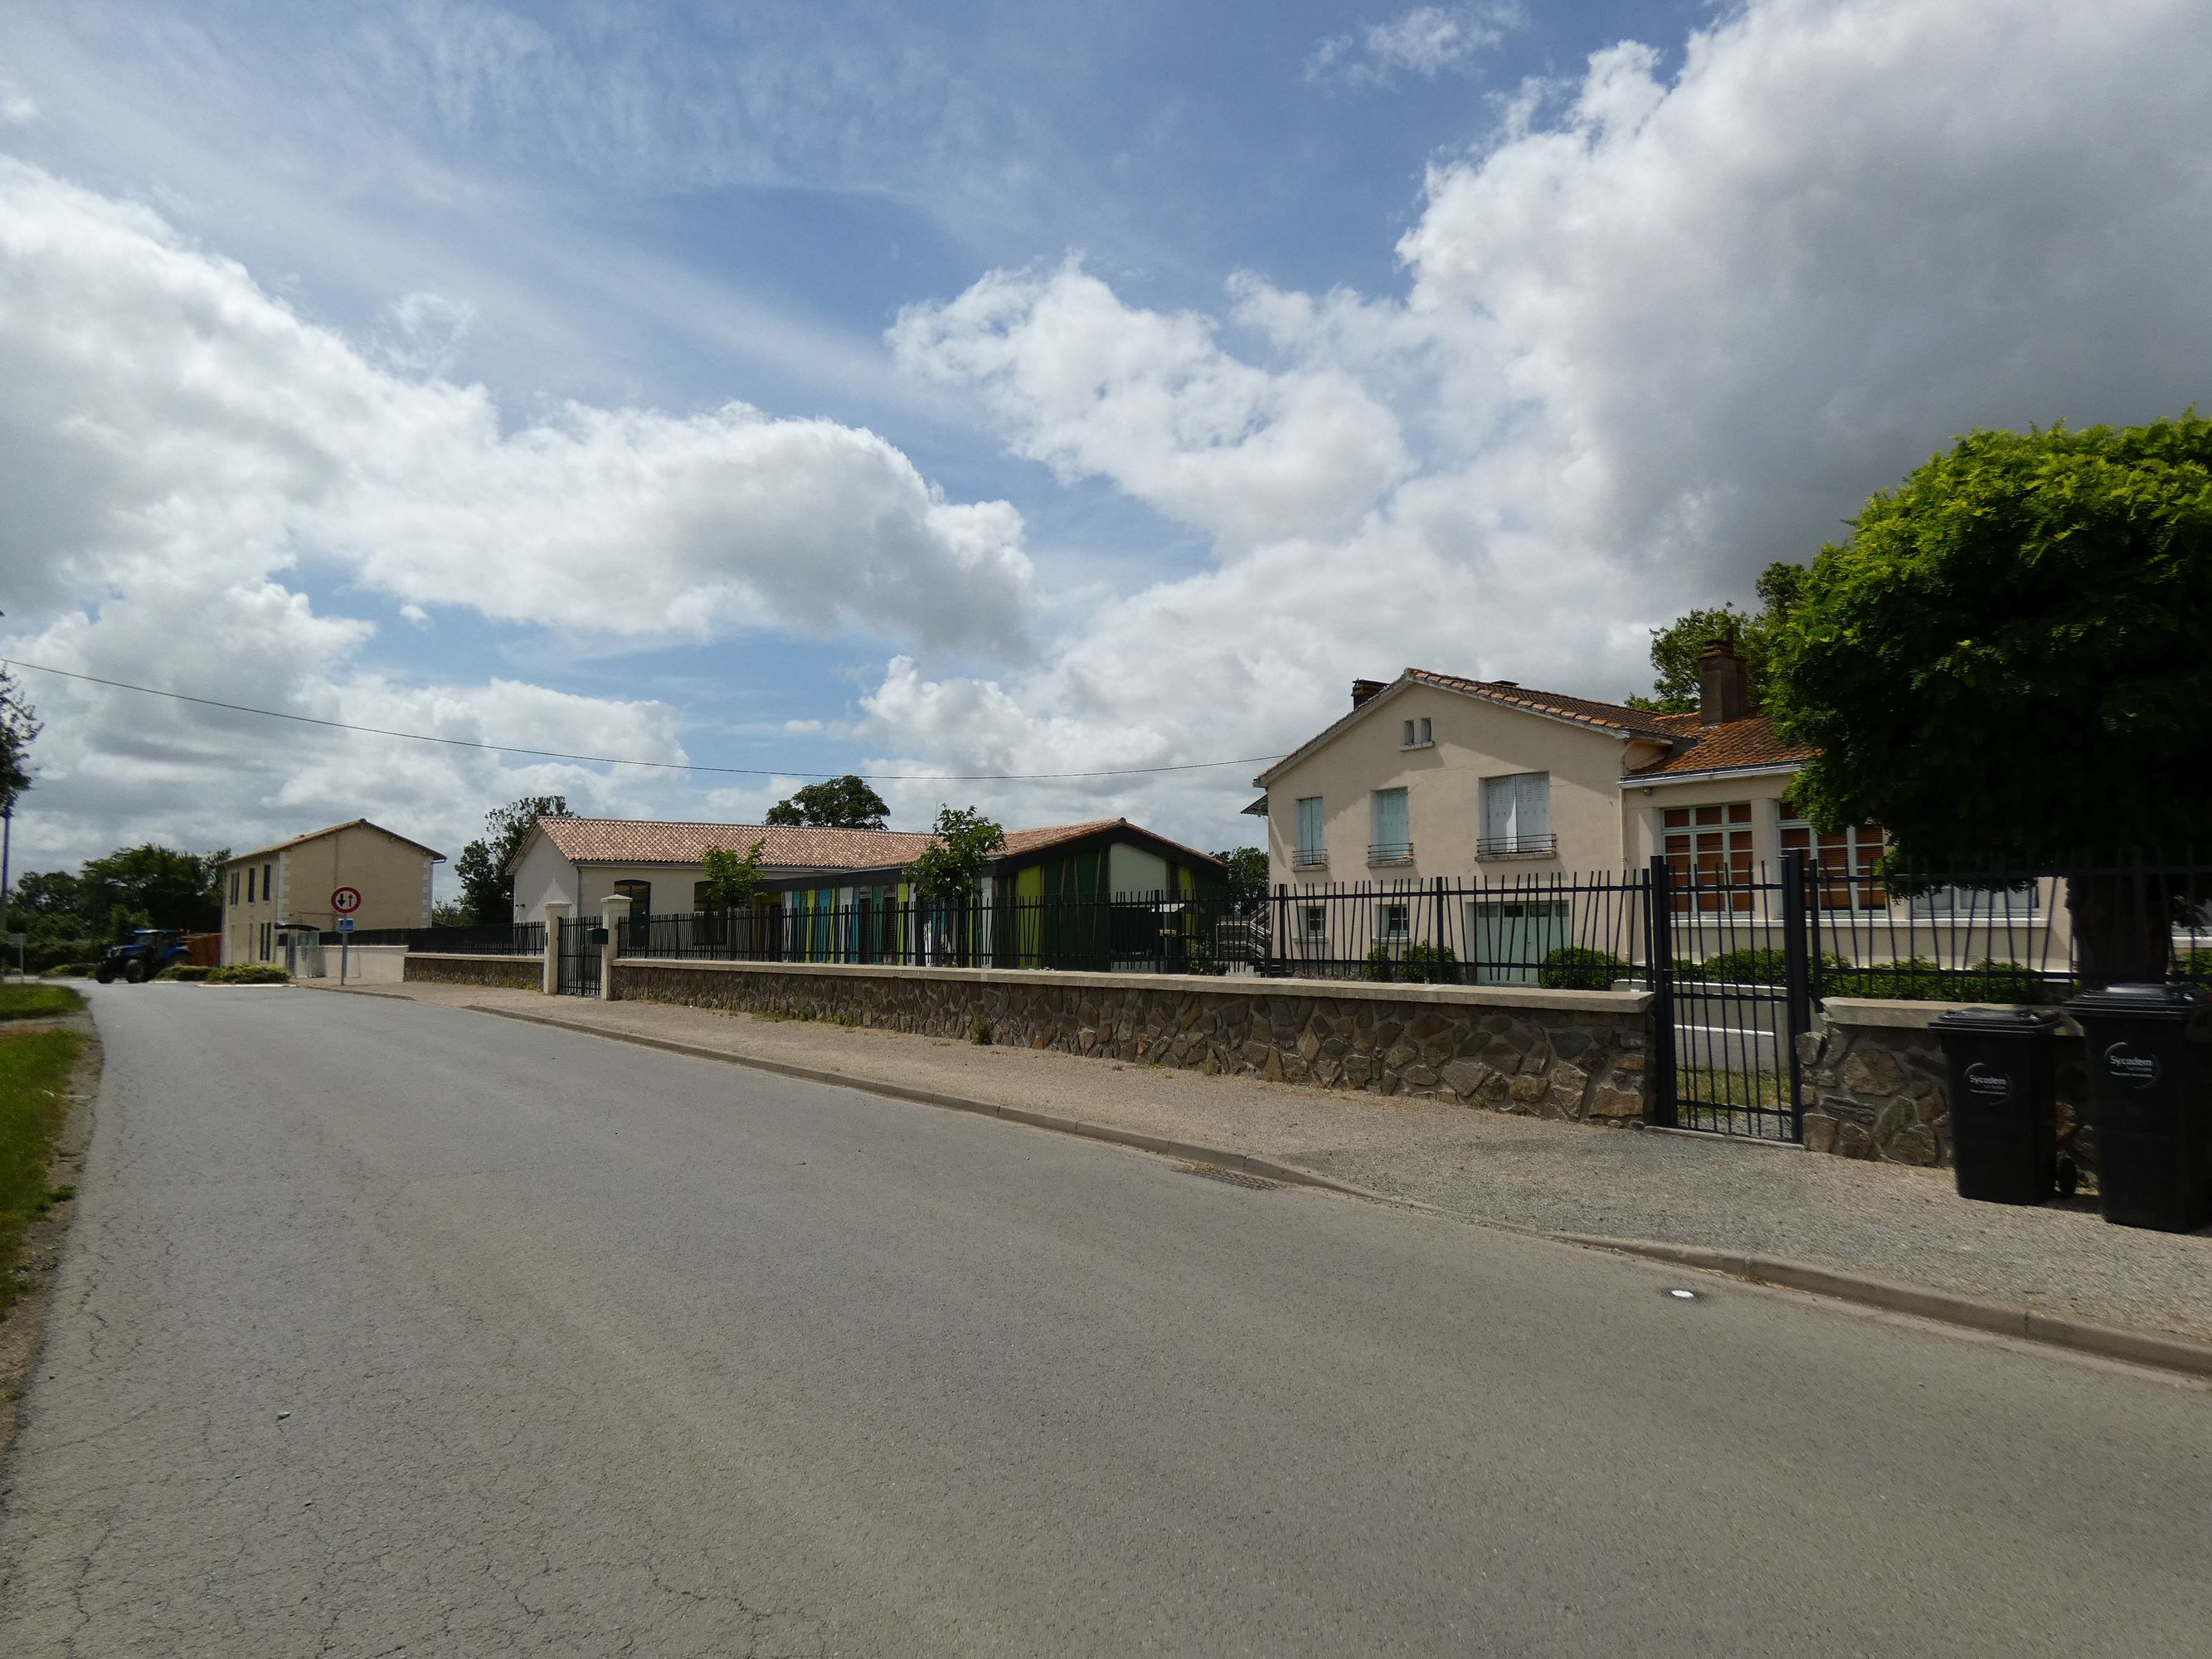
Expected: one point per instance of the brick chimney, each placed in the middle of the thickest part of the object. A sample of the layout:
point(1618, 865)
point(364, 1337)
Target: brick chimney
point(1723, 683)
point(1363, 689)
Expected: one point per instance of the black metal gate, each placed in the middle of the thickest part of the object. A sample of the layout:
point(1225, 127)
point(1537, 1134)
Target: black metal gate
point(1731, 954)
point(579, 958)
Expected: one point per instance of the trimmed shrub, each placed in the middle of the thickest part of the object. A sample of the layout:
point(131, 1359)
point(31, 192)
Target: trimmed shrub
point(1578, 967)
point(185, 970)
point(1412, 964)
point(70, 970)
point(248, 973)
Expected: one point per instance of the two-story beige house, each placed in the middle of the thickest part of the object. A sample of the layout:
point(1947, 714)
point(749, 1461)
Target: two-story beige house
point(1436, 776)
point(289, 885)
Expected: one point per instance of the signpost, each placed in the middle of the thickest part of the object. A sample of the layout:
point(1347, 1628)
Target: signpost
point(345, 901)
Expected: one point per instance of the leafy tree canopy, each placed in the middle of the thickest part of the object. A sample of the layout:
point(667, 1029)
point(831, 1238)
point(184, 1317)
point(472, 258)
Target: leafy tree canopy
point(950, 867)
point(732, 878)
point(151, 886)
point(484, 866)
point(845, 803)
point(2007, 657)
point(19, 729)
point(1675, 647)
point(2005, 664)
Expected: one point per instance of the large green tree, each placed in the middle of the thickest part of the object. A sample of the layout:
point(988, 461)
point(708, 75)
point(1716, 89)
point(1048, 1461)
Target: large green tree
point(485, 866)
point(845, 803)
point(1675, 647)
point(2005, 661)
point(151, 886)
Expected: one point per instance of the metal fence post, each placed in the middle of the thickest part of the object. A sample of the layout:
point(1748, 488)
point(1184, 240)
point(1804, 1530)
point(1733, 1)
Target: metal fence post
point(1796, 969)
point(1659, 911)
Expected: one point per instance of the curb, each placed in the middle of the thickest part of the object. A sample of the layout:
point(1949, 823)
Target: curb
point(1189, 1152)
point(2170, 1353)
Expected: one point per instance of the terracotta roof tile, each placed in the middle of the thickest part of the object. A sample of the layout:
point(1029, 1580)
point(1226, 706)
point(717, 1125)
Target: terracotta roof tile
point(787, 846)
point(1586, 711)
point(1732, 745)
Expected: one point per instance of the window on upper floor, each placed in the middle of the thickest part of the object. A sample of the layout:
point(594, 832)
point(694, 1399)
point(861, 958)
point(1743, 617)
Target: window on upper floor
point(249, 883)
point(1390, 836)
point(234, 888)
point(1417, 734)
point(1516, 816)
point(1310, 853)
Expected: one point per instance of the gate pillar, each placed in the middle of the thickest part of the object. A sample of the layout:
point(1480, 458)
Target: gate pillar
point(613, 912)
point(556, 912)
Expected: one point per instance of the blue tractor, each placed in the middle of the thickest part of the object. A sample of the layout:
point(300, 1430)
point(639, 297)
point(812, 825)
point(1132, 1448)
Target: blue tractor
point(144, 954)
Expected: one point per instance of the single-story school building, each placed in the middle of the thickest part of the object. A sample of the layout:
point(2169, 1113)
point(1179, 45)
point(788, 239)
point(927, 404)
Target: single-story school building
point(822, 881)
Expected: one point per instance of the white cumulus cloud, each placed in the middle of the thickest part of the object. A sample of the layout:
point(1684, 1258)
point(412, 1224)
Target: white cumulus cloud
point(1657, 330)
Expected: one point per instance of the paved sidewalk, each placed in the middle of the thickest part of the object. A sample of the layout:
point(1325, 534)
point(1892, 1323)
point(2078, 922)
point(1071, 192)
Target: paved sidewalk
point(1879, 1221)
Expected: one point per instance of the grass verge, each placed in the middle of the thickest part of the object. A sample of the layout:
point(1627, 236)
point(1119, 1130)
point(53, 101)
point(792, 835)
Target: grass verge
point(34, 1074)
point(38, 1001)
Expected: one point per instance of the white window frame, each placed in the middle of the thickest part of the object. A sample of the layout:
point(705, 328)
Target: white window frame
point(1526, 798)
point(1398, 930)
point(1380, 851)
point(1312, 924)
point(1418, 733)
point(1309, 855)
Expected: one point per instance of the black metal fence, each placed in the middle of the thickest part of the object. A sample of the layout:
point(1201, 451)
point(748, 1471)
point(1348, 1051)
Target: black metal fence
point(497, 938)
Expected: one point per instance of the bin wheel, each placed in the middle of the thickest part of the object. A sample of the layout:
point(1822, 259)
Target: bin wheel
point(2069, 1177)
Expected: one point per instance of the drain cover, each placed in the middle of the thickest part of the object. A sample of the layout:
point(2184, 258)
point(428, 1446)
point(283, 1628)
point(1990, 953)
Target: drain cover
point(1231, 1177)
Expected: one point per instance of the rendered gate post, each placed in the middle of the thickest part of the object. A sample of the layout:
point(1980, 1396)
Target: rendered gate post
point(612, 914)
point(556, 912)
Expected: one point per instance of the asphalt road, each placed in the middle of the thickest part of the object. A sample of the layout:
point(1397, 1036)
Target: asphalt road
point(395, 1329)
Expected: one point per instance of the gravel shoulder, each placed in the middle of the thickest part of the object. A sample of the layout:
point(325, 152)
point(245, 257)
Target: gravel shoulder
point(1879, 1220)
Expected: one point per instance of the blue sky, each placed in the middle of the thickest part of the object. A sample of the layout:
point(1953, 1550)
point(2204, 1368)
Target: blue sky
point(1125, 378)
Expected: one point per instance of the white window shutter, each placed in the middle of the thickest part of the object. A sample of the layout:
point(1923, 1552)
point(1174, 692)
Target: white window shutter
point(1497, 802)
point(1534, 814)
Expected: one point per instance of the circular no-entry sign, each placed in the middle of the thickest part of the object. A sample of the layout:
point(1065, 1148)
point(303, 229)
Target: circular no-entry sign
point(346, 900)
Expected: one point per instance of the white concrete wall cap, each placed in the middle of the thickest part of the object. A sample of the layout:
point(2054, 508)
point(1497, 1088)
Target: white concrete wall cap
point(1458, 996)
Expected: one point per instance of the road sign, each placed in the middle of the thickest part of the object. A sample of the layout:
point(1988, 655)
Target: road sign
point(346, 901)
point(345, 923)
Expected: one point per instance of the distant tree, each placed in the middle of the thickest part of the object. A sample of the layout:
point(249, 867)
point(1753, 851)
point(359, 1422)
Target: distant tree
point(47, 893)
point(1675, 647)
point(732, 878)
point(485, 865)
point(965, 846)
point(2006, 662)
point(1246, 883)
point(451, 913)
point(19, 730)
point(845, 803)
point(150, 886)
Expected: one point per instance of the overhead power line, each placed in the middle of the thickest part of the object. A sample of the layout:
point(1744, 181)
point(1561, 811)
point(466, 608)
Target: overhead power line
point(617, 760)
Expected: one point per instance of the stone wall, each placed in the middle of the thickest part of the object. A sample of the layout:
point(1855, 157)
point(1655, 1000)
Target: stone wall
point(516, 973)
point(1569, 1054)
point(1876, 1086)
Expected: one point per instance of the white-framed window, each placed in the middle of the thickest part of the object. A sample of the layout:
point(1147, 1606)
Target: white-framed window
point(1516, 816)
point(1710, 851)
point(1310, 853)
point(1313, 923)
point(1391, 834)
point(233, 889)
point(1980, 907)
point(1417, 734)
point(1393, 921)
point(1842, 860)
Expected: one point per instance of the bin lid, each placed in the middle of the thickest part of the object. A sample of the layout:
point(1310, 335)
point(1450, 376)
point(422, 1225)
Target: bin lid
point(2008, 1021)
point(2163, 1003)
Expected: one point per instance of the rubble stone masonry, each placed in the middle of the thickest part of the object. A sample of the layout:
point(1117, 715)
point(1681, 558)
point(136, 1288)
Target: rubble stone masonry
point(1576, 1055)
